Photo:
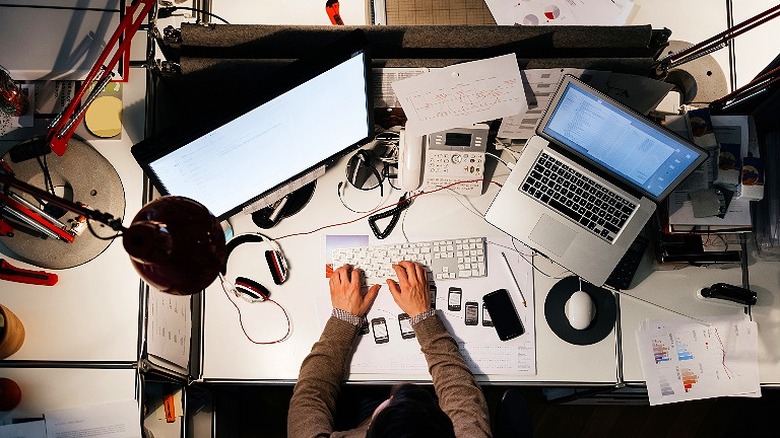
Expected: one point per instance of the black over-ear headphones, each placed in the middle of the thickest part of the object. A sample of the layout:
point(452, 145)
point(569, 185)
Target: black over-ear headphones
point(274, 257)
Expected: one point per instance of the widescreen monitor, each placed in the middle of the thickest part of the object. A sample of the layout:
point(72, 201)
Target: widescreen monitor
point(317, 110)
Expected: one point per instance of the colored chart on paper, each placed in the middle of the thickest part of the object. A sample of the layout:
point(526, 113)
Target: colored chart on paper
point(552, 12)
point(660, 351)
point(666, 387)
point(530, 20)
point(683, 353)
point(689, 379)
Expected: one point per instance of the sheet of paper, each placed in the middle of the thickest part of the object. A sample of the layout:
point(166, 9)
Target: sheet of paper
point(690, 360)
point(169, 327)
point(681, 213)
point(461, 95)
point(31, 429)
point(384, 96)
point(483, 351)
point(556, 12)
point(108, 420)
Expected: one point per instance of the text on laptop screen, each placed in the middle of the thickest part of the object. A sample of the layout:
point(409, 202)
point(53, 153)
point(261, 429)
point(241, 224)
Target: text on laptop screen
point(272, 143)
point(646, 156)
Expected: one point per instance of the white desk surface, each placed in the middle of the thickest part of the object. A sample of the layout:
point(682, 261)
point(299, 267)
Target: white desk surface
point(92, 313)
point(228, 355)
point(46, 389)
point(676, 291)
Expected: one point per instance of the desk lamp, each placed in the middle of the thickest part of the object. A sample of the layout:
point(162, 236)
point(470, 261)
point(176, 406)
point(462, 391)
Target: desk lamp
point(713, 44)
point(64, 125)
point(174, 243)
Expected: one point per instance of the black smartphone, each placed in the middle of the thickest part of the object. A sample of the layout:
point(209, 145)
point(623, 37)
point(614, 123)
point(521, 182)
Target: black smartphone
point(407, 332)
point(503, 314)
point(472, 313)
point(453, 299)
point(379, 325)
point(432, 289)
point(486, 321)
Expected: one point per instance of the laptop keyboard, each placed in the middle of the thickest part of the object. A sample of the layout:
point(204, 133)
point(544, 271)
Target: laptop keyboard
point(578, 197)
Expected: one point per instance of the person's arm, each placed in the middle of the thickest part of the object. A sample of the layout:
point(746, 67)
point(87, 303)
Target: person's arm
point(459, 395)
point(313, 403)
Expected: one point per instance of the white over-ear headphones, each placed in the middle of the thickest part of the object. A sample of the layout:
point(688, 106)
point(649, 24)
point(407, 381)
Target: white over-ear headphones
point(251, 290)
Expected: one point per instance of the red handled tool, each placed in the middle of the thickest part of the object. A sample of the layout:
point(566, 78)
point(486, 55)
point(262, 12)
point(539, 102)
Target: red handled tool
point(12, 273)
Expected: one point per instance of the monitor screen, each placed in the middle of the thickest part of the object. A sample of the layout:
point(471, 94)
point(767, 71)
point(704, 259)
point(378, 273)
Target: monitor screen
point(649, 157)
point(325, 112)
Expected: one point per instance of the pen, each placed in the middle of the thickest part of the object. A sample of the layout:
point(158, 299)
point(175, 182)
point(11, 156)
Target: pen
point(512, 274)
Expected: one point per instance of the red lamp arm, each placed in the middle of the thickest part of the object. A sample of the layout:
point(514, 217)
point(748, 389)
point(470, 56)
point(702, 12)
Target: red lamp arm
point(64, 125)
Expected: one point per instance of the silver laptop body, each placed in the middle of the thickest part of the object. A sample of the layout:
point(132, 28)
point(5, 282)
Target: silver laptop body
point(616, 150)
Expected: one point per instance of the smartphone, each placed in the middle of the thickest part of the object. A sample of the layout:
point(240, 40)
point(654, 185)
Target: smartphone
point(503, 314)
point(472, 313)
point(379, 325)
point(486, 321)
point(453, 299)
point(432, 289)
point(407, 332)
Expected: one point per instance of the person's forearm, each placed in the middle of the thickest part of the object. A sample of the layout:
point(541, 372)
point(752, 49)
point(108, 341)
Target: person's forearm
point(459, 394)
point(313, 402)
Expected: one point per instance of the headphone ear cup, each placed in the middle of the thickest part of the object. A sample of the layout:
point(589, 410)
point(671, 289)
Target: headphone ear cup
point(252, 288)
point(277, 264)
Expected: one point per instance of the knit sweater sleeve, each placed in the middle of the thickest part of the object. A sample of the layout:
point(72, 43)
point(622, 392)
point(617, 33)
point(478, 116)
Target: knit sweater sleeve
point(459, 394)
point(313, 404)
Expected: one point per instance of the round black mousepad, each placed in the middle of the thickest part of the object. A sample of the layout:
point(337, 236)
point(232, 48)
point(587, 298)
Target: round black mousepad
point(603, 319)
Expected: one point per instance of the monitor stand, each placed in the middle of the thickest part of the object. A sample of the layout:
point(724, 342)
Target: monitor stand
point(289, 205)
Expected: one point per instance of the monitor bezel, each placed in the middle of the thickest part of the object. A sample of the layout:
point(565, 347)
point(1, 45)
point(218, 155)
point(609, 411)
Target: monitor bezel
point(558, 95)
point(284, 79)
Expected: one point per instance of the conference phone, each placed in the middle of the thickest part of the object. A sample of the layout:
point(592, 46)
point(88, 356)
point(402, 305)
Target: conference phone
point(444, 158)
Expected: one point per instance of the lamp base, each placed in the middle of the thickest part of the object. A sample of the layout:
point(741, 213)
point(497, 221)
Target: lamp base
point(83, 175)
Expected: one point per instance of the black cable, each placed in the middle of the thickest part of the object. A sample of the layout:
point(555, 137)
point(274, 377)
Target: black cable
point(168, 12)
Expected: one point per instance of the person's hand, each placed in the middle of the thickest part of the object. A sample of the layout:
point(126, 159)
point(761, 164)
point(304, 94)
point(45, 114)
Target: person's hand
point(411, 292)
point(345, 291)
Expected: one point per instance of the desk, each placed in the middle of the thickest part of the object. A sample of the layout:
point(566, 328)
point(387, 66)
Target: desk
point(228, 356)
point(676, 290)
point(82, 338)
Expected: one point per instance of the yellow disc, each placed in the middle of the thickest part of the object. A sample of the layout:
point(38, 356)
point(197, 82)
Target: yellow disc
point(104, 117)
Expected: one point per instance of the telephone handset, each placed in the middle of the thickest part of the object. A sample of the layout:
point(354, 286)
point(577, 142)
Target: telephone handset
point(445, 157)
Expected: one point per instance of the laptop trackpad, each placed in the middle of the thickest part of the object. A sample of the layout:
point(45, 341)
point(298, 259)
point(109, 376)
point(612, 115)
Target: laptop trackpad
point(553, 235)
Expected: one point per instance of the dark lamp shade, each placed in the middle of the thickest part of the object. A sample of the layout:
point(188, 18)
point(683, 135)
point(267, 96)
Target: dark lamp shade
point(176, 245)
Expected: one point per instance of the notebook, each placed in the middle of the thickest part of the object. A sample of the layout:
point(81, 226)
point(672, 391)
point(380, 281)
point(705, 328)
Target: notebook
point(589, 179)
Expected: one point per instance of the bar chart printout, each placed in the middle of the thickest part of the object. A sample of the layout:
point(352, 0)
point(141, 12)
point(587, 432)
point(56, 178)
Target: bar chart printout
point(696, 359)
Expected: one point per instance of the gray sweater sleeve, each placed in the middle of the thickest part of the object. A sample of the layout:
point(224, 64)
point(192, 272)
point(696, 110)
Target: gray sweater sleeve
point(459, 394)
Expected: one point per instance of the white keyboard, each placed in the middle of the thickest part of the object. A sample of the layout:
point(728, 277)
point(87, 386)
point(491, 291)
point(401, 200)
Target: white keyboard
point(445, 259)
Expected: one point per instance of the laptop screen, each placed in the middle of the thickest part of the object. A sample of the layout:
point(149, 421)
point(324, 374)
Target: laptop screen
point(324, 113)
point(638, 151)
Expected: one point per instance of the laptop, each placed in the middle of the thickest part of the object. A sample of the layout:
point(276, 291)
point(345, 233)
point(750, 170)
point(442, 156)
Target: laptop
point(589, 180)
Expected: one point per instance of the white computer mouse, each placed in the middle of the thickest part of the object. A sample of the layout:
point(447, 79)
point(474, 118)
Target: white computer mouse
point(579, 310)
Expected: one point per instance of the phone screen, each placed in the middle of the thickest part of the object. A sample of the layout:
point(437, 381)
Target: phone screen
point(472, 313)
point(407, 332)
point(486, 321)
point(380, 330)
point(453, 299)
point(503, 314)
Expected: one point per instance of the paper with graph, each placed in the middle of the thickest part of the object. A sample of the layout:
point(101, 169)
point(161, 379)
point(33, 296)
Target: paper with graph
point(697, 359)
point(461, 95)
